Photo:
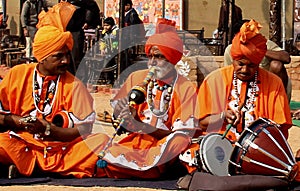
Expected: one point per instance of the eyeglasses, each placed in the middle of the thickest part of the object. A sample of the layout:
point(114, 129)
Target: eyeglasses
point(156, 57)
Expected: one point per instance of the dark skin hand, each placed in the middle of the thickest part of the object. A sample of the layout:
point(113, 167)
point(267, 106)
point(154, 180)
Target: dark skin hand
point(216, 120)
point(132, 123)
point(38, 126)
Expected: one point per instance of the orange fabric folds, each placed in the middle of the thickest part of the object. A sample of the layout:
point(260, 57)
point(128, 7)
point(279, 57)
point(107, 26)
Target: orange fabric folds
point(249, 43)
point(51, 35)
point(59, 16)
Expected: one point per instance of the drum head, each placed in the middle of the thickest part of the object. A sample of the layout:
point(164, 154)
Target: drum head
point(215, 153)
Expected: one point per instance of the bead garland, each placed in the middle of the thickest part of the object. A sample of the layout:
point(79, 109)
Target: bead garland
point(167, 97)
point(253, 93)
point(50, 96)
point(161, 88)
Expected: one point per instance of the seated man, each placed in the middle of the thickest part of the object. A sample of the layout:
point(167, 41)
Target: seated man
point(233, 97)
point(274, 60)
point(245, 94)
point(32, 95)
point(161, 126)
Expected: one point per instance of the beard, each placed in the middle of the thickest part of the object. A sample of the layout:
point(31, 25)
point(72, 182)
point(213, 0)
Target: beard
point(164, 72)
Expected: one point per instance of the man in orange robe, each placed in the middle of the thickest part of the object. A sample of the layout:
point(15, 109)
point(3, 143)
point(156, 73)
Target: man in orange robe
point(237, 95)
point(161, 126)
point(241, 93)
point(32, 95)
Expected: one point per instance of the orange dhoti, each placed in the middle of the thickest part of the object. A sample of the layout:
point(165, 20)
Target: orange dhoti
point(138, 155)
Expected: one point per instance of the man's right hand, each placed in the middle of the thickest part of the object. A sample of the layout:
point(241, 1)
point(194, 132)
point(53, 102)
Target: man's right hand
point(121, 104)
point(232, 117)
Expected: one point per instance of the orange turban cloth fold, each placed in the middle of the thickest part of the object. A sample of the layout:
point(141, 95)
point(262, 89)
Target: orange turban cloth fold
point(51, 35)
point(249, 43)
point(59, 16)
point(49, 39)
point(167, 40)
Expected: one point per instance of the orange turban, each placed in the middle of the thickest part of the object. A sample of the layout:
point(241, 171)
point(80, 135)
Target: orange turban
point(249, 43)
point(51, 35)
point(167, 40)
point(49, 39)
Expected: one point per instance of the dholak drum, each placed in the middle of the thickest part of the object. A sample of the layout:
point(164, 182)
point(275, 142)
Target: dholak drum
point(263, 150)
point(215, 153)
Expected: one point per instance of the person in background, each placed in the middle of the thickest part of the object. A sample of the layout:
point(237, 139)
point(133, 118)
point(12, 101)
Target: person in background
point(273, 61)
point(109, 37)
point(29, 19)
point(240, 93)
point(86, 16)
point(133, 35)
point(223, 26)
point(137, 35)
point(30, 141)
point(109, 44)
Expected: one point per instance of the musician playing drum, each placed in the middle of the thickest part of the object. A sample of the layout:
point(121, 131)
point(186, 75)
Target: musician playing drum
point(242, 92)
point(160, 127)
point(237, 95)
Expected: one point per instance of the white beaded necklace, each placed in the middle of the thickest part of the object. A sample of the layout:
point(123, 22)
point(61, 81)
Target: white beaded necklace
point(253, 93)
point(36, 96)
point(167, 97)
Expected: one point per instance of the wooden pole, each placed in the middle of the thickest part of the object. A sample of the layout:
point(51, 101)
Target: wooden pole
point(121, 25)
point(4, 12)
point(163, 8)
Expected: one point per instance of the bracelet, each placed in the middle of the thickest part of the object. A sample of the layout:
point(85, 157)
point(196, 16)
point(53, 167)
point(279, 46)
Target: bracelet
point(48, 128)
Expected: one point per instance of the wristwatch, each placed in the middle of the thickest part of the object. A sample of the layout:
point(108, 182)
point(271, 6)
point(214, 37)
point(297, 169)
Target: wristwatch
point(48, 128)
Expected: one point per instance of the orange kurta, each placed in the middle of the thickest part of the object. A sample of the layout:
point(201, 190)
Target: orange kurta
point(26, 152)
point(141, 155)
point(271, 102)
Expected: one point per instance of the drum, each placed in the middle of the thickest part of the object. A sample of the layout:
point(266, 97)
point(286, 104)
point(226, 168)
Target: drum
point(215, 152)
point(263, 150)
